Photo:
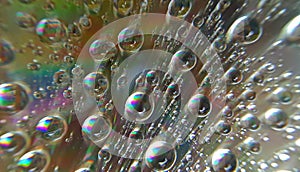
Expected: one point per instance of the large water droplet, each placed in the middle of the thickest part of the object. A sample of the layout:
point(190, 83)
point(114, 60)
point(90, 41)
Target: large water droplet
point(234, 76)
point(291, 31)
point(95, 83)
point(25, 20)
point(52, 128)
point(199, 105)
point(102, 49)
point(183, 60)
point(51, 30)
point(130, 39)
point(7, 54)
point(250, 122)
point(245, 30)
point(224, 160)
point(276, 118)
point(160, 156)
point(36, 160)
point(179, 8)
point(138, 107)
point(13, 97)
point(96, 127)
point(13, 143)
point(123, 7)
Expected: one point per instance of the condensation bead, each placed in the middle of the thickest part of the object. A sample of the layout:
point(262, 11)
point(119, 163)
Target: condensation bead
point(123, 7)
point(138, 107)
point(96, 127)
point(178, 8)
point(130, 39)
point(25, 20)
point(35, 160)
point(245, 30)
point(250, 122)
point(160, 156)
point(96, 83)
point(291, 31)
point(224, 160)
point(52, 128)
point(234, 76)
point(13, 97)
point(183, 60)
point(14, 143)
point(102, 49)
point(199, 105)
point(7, 54)
point(51, 30)
point(252, 145)
point(276, 118)
point(223, 127)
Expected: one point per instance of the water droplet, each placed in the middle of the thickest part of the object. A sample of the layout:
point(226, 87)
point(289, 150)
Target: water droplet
point(85, 22)
point(250, 122)
point(198, 21)
point(102, 49)
point(291, 31)
point(96, 83)
point(183, 60)
point(137, 134)
point(7, 54)
point(199, 105)
point(152, 78)
point(13, 97)
point(178, 8)
point(276, 118)
point(36, 160)
point(14, 143)
point(25, 20)
point(122, 8)
point(173, 90)
point(104, 154)
point(96, 127)
point(223, 127)
point(61, 77)
point(74, 30)
point(283, 95)
point(160, 156)
point(252, 145)
point(51, 30)
point(234, 76)
point(52, 128)
point(130, 39)
point(245, 30)
point(220, 44)
point(138, 107)
point(224, 160)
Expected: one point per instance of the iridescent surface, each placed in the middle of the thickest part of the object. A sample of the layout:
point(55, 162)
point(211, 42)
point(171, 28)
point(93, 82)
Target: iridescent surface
point(149, 85)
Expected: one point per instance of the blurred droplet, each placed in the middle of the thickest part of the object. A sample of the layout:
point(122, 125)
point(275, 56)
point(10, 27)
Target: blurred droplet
point(14, 143)
point(276, 118)
point(51, 30)
point(224, 160)
point(7, 54)
point(36, 160)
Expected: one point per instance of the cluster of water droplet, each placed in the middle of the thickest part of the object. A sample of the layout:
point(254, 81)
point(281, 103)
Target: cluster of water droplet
point(251, 125)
